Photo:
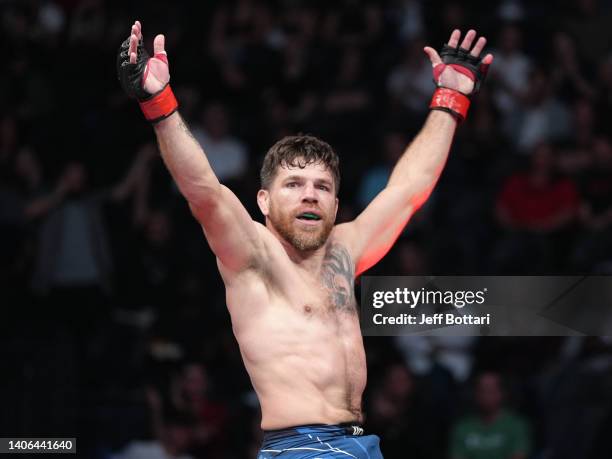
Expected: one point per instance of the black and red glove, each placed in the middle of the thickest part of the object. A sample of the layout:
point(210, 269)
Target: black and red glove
point(451, 100)
point(132, 77)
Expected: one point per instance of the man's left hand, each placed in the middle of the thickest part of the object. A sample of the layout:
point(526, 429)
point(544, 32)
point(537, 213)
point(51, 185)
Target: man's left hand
point(460, 68)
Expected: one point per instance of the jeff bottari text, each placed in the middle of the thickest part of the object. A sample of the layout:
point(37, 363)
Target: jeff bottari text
point(411, 298)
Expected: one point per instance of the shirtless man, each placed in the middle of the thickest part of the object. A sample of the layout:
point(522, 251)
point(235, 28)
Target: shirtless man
point(289, 284)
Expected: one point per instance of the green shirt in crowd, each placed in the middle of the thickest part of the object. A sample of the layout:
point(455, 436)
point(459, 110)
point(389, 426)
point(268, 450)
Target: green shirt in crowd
point(504, 438)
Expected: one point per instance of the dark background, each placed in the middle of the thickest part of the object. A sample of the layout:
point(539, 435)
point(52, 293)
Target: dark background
point(112, 311)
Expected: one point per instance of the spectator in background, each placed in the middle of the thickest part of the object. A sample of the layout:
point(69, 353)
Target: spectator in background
point(24, 183)
point(575, 155)
point(567, 70)
point(542, 118)
point(589, 21)
point(373, 182)
point(189, 398)
point(226, 154)
point(411, 23)
point(9, 142)
point(583, 124)
point(604, 87)
point(191, 394)
point(535, 208)
point(595, 215)
point(511, 72)
point(493, 432)
point(396, 414)
point(73, 270)
point(159, 262)
point(423, 353)
point(174, 442)
point(74, 251)
point(347, 103)
point(410, 82)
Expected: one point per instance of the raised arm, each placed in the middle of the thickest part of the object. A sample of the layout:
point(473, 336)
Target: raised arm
point(376, 229)
point(230, 231)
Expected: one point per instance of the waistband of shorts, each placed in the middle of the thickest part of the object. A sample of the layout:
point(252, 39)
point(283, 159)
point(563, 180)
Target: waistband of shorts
point(343, 429)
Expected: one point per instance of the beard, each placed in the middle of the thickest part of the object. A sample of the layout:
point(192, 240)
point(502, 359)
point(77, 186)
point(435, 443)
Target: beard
point(303, 239)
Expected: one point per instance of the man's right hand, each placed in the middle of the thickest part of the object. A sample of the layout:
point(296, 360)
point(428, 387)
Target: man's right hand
point(157, 73)
point(146, 78)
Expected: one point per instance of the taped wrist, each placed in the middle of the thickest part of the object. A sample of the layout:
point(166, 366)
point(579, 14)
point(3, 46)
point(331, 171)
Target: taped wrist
point(160, 105)
point(450, 101)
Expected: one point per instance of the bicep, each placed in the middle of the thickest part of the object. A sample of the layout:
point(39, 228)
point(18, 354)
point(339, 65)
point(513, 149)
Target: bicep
point(229, 229)
point(375, 230)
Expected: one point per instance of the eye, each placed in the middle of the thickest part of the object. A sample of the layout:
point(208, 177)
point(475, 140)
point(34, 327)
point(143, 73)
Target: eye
point(323, 187)
point(292, 184)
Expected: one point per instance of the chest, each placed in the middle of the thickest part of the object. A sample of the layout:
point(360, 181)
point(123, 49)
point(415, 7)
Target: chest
point(326, 291)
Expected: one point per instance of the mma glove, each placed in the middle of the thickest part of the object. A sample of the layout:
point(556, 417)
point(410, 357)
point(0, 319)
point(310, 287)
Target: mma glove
point(132, 77)
point(450, 100)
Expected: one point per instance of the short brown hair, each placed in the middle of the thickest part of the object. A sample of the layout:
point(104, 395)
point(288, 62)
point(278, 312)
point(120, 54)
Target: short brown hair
point(299, 151)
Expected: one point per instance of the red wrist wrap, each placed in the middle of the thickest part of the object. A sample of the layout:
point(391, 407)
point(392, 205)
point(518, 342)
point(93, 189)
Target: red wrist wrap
point(160, 106)
point(451, 101)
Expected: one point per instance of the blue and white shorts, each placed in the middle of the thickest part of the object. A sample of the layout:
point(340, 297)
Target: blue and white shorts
point(320, 441)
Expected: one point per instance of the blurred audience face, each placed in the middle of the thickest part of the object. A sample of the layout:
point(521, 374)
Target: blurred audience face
point(489, 394)
point(75, 175)
point(195, 380)
point(27, 166)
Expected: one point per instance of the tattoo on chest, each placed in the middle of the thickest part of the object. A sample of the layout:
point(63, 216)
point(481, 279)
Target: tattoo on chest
point(338, 277)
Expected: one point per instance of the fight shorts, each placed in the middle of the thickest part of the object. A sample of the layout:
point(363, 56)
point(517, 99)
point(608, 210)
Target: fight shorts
point(320, 441)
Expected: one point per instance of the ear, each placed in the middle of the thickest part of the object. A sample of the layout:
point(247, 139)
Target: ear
point(263, 201)
point(336, 209)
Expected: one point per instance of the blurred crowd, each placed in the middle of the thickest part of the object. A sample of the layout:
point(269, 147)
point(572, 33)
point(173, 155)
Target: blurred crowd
point(114, 326)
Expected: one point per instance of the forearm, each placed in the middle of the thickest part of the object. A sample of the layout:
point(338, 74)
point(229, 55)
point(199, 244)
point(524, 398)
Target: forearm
point(421, 164)
point(186, 160)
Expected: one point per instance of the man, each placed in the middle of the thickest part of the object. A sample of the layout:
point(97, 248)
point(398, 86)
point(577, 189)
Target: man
point(289, 284)
point(493, 433)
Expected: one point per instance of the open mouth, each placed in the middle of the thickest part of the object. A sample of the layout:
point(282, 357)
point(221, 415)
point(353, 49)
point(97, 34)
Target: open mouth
point(309, 216)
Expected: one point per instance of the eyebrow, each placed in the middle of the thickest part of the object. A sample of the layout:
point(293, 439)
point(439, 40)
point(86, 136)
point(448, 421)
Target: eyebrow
point(299, 177)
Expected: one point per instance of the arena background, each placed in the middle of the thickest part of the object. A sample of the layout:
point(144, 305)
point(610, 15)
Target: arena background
point(113, 323)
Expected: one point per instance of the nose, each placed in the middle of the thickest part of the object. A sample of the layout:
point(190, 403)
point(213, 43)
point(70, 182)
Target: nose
point(309, 193)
